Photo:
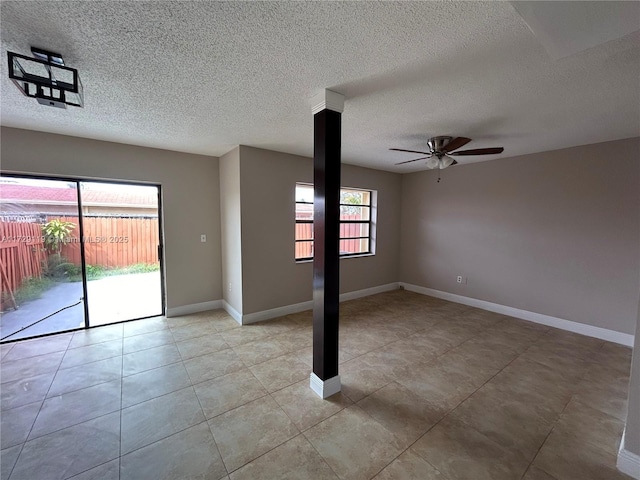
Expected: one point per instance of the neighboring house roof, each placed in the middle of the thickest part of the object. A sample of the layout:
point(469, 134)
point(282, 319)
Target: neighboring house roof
point(56, 195)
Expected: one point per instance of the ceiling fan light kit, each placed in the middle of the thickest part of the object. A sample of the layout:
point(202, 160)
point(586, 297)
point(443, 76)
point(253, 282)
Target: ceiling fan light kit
point(440, 149)
point(433, 162)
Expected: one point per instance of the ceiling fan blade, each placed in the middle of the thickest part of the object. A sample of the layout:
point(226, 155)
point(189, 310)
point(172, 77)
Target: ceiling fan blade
point(480, 151)
point(455, 144)
point(410, 151)
point(409, 161)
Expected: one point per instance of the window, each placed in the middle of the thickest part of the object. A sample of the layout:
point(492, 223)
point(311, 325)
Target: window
point(356, 222)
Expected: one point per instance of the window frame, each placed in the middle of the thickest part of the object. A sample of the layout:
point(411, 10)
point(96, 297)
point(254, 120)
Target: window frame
point(370, 222)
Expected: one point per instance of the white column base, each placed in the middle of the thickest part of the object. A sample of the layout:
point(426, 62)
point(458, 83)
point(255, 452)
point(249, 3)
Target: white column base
point(325, 388)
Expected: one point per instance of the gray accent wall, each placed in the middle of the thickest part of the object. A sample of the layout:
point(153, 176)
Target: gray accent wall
point(555, 233)
point(190, 189)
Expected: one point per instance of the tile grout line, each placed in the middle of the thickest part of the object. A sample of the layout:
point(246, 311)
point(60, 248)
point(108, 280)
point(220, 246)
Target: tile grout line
point(373, 419)
point(316, 450)
point(538, 339)
point(87, 363)
point(542, 444)
point(40, 409)
point(161, 439)
point(121, 400)
point(268, 394)
point(121, 372)
point(302, 432)
point(206, 420)
point(64, 393)
point(73, 424)
point(263, 454)
point(452, 409)
point(573, 394)
point(519, 355)
point(84, 471)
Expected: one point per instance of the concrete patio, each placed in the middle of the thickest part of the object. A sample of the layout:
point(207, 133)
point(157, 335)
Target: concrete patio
point(110, 299)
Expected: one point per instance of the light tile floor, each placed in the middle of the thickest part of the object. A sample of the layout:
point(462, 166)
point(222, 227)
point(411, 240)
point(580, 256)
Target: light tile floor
point(431, 390)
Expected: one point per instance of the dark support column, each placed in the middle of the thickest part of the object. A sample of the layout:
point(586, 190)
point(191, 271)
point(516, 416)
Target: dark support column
point(326, 230)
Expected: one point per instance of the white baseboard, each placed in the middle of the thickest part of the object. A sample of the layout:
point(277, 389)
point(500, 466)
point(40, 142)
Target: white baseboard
point(628, 462)
point(302, 306)
point(576, 327)
point(369, 291)
point(325, 388)
point(276, 312)
point(194, 308)
point(237, 316)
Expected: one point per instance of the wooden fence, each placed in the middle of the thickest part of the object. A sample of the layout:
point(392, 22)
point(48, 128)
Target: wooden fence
point(305, 231)
point(22, 254)
point(113, 241)
point(109, 242)
point(304, 249)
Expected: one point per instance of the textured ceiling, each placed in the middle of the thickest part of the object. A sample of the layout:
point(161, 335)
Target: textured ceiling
point(203, 77)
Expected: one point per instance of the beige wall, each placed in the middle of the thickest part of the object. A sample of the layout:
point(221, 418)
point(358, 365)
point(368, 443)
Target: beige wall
point(190, 189)
point(555, 233)
point(230, 216)
point(270, 275)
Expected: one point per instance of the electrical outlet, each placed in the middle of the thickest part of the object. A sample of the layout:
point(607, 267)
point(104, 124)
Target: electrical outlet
point(459, 279)
point(203, 238)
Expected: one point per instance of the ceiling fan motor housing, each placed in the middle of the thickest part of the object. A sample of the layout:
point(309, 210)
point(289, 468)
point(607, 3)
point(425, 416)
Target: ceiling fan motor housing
point(438, 143)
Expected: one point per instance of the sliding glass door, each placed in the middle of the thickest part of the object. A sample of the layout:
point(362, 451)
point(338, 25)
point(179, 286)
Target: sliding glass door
point(121, 239)
point(76, 254)
point(40, 258)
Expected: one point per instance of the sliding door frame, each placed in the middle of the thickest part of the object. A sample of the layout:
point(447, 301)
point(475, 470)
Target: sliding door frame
point(83, 261)
point(160, 250)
